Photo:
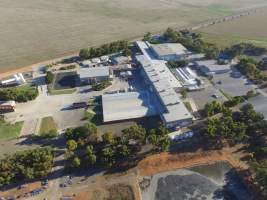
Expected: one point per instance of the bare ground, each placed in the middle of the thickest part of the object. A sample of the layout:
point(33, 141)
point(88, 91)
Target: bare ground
point(35, 30)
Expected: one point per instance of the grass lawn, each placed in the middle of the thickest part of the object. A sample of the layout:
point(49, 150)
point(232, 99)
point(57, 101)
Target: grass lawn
point(226, 95)
point(64, 91)
point(188, 106)
point(47, 124)
point(9, 131)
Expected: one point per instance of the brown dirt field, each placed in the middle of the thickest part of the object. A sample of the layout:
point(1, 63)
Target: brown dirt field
point(245, 29)
point(32, 31)
point(167, 162)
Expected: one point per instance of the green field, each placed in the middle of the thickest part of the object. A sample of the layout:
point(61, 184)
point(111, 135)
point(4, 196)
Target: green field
point(37, 30)
point(63, 91)
point(9, 131)
point(47, 124)
point(246, 29)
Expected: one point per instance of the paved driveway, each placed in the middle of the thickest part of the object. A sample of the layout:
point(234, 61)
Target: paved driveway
point(260, 104)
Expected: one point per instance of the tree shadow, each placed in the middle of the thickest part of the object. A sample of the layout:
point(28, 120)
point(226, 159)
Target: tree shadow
point(58, 142)
point(233, 188)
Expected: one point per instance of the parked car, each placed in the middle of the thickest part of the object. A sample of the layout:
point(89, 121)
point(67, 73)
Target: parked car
point(79, 105)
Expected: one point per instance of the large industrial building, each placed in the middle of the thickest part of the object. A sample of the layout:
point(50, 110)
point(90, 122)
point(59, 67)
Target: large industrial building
point(169, 51)
point(128, 105)
point(163, 85)
point(160, 99)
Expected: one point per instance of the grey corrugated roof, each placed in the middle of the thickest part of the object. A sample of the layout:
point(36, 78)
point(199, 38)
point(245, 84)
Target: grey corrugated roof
point(94, 72)
point(164, 83)
point(128, 105)
point(212, 66)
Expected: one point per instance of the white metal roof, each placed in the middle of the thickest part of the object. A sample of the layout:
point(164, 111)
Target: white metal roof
point(164, 83)
point(94, 72)
point(212, 66)
point(186, 76)
point(129, 105)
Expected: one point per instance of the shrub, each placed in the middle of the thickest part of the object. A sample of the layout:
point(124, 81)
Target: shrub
point(101, 86)
point(49, 77)
point(19, 94)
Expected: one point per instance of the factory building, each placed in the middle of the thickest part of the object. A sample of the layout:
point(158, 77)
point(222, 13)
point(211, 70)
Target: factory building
point(163, 85)
point(127, 105)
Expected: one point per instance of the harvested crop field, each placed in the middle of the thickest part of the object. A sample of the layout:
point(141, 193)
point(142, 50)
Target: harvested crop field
point(245, 29)
point(37, 30)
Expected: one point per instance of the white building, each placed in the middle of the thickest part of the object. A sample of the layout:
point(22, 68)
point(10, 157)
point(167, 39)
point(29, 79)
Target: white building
point(211, 67)
point(169, 51)
point(17, 79)
point(186, 77)
point(94, 74)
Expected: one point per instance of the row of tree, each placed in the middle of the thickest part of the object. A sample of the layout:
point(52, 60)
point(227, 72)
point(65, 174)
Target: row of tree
point(113, 47)
point(244, 49)
point(19, 94)
point(101, 86)
point(252, 69)
point(26, 165)
point(86, 149)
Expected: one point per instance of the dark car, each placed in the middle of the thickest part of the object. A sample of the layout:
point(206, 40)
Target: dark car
point(79, 105)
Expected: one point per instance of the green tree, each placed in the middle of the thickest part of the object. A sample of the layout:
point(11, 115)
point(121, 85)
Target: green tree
point(49, 77)
point(90, 155)
point(71, 145)
point(108, 137)
point(136, 132)
point(123, 151)
point(212, 108)
point(163, 144)
point(108, 157)
point(76, 162)
point(147, 37)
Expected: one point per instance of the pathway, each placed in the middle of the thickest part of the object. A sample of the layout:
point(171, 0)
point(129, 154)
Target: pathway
point(29, 127)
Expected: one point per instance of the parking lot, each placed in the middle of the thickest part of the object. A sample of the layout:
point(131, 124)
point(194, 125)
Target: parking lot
point(260, 104)
point(208, 94)
point(232, 83)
